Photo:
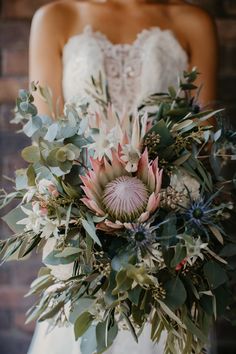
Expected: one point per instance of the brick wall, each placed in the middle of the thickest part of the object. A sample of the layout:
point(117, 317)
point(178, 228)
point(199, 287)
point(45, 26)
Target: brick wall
point(14, 32)
point(15, 278)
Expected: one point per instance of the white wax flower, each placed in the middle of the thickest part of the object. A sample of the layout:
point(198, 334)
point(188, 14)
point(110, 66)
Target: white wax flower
point(29, 194)
point(50, 228)
point(33, 221)
point(194, 248)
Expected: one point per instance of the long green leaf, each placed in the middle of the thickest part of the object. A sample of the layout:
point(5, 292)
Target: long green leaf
point(194, 329)
point(82, 324)
point(171, 314)
point(91, 231)
point(131, 327)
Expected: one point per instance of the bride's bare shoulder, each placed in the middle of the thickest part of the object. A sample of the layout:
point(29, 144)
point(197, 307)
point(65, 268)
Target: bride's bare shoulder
point(58, 14)
point(192, 17)
point(55, 9)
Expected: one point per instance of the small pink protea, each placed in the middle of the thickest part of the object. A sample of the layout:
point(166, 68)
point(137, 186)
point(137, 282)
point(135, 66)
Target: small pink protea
point(121, 196)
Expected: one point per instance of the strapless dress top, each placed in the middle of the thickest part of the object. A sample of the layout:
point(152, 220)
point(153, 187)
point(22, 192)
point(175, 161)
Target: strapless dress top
point(152, 63)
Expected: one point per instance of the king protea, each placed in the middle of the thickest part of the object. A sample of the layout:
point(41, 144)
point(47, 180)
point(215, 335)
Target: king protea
point(120, 196)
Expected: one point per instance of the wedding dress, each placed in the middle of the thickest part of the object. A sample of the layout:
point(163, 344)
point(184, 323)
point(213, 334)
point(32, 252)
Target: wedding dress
point(152, 63)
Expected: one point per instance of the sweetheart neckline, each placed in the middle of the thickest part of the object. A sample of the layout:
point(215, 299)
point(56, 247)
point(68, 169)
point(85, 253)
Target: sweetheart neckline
point(89, 30)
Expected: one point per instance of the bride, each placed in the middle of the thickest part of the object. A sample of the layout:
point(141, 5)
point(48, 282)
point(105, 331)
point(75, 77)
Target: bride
point(140, 47)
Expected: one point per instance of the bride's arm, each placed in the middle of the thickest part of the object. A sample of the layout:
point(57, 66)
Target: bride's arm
point(203, 50)
point(45, 63)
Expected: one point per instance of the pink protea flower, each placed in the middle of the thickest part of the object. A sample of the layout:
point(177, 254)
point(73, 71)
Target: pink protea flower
point(120, 196)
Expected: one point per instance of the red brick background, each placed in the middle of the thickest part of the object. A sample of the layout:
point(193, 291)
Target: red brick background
point(14, 32)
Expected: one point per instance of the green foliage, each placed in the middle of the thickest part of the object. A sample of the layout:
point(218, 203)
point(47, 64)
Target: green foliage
point(106, 332)
point(175, 293)
point(13, 217)
point(214, 274)
point(31, 154)
point(91, 231)
point(172, 273)
point(82, 324)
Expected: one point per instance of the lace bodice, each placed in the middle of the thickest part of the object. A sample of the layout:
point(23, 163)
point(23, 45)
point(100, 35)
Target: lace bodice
point(150, 64)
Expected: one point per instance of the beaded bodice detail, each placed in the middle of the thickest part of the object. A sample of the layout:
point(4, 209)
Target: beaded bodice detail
point(152, 63)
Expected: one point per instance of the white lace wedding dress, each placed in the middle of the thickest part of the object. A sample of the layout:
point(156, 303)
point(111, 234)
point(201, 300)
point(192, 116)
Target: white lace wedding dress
point(150, 64)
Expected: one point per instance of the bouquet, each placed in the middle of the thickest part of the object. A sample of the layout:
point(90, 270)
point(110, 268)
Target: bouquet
point(128, 212)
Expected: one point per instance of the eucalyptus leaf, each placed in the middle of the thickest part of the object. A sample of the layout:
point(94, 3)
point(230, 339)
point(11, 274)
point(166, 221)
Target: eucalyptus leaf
point(203, 116)
point(36, 312)
point(228, 250)
point(206, 303)
point(134, 295)
point(40, 284)
point(184, 124)
point(223, 298)
point(51, 313)
point(11, 251)
point(195, 330)
point(131, 327)
point(180, 254)
point(57, 171)
point(172, 92)
point(23, 94)
point(123, 283)
point(170, 313)
point(105, 335)
point(182, 159)
point(169, 231)
point(79, 307)
point(82, 324)
point(214, 274)
point(31, 154)
point(71, 191)
point(91, 230)
point(216, 232)
point(30, 173)
point(52, 158)
point(32, 245)
point(21, 179)
point(13, 217)
point(68, 251)
point(46, 93)
point(33, 125)
point(175, 293)
point(121, 260)
point(54, 258)
point(217, 135)
point(52, 132)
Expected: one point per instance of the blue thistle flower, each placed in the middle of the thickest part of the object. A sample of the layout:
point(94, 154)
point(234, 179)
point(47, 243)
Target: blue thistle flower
point(202, 213)
point(143, 236)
